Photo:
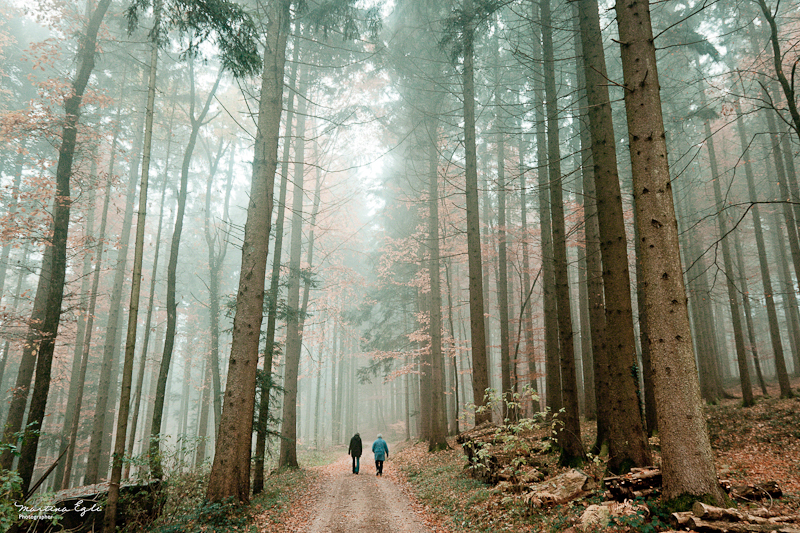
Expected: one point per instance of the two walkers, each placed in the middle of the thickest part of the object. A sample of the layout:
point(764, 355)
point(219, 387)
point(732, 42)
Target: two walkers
point(379, 449)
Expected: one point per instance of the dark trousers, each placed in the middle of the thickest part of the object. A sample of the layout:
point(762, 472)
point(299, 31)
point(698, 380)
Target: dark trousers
point(379, 466)
point(356, 464)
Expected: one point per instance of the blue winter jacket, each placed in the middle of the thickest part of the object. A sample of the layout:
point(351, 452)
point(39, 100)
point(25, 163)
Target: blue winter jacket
point(380, 449)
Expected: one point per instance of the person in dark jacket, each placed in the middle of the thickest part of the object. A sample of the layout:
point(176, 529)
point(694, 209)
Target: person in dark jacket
point(381, 451)
point(355, 452)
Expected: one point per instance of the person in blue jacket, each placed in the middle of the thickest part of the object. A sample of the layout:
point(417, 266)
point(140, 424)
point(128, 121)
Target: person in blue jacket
point(381, 452)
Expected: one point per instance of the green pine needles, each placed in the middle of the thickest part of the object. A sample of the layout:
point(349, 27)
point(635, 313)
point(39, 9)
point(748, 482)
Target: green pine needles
point(224, 23)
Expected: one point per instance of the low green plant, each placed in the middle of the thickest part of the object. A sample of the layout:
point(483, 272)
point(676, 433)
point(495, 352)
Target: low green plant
point(647, 518)
point(10, 486)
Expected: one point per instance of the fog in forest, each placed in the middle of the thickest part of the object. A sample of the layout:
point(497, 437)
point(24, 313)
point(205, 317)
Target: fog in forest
point(422, 174)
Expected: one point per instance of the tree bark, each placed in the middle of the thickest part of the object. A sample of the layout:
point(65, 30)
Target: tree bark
point(686, 450)
point(110, 517)
point(437, 439)
point(627, 440)
point(480, 370)
point(733, 296)
point(551, 348)
point(569, 434)
point(148, 321)
point(111, 344)
point(230, 472)
point(172, 268)
point(274, 288)
point(288, 448)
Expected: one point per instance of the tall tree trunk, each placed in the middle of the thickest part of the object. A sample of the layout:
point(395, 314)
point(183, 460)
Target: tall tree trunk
point(551, 348)
point(217, 249)
point(730, 278)
point(700, 309)
point(85, 295)
point(585, 163)
point(569, 435)
point(437, 438)
point(288, 448)
point(480, 370)
point(230, 472)
point(530, 355)
point(172, 267)
point(111, 344)
point(688, 462)
point(72, 420)
point(43, 328)
point(110, 517)
point(506, 364)
point(274, 288)
point(151, 298)
point(748, 169)
point(622, 424)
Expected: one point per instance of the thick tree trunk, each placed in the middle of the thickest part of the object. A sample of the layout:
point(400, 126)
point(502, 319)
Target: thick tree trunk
point(627, 440)
point(686, 450)
point(274, 288)
point(230, 472)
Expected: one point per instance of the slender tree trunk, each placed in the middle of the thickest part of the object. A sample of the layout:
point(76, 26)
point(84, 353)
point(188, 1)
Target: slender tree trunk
point(506, 364)
point(480, 371)
point(17, 295)
point(172, 267)
point(11, 212)
point(288, 448)
point(151, 298)
point(551, 348)
point(748, 168)
point(217, 249)
point(85, 295)
point(530, 354)
point(72, 421)
point(688, 462)
point(110, 518)
point(437, 439)
point(730, 278)
point(111, 344)
point(569, 435)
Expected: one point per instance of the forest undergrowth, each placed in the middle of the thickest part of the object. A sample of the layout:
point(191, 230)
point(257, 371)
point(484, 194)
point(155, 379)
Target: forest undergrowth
point(752, 445)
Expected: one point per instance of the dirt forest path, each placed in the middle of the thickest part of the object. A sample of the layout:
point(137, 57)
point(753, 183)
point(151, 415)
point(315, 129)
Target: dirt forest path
point(344, 502)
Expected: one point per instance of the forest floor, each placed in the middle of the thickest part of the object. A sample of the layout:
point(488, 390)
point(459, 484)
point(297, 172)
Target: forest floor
point(432, 492)
point(422, 492)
